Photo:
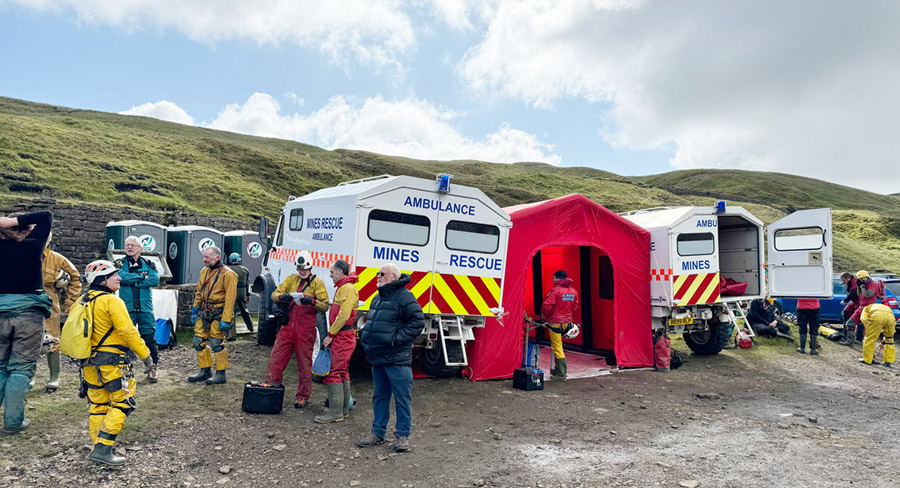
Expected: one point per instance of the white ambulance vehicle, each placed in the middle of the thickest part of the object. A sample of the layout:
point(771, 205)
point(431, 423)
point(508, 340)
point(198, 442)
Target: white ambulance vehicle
point(450, 240)
point(693, 249)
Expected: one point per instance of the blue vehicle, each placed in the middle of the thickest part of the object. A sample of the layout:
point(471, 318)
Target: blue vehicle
point(830, 310)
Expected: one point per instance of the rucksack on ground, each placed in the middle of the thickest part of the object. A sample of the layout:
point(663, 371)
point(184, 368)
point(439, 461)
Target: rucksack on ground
point(75, 337)
point(165, 334)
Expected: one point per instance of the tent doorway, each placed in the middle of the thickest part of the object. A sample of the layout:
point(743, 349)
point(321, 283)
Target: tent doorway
point(591, 271)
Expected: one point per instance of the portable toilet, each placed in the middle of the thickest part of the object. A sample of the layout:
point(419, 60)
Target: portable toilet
point(251, 249)
point(185, 251)
point(152, 235)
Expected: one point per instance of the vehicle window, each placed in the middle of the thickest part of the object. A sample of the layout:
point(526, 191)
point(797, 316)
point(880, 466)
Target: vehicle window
point(469, 236)
point(296, 220)
point(696, 244)
point(279, 234)
point(840, 289)
point(893, 286)
point(804, 239)
point(399, 228)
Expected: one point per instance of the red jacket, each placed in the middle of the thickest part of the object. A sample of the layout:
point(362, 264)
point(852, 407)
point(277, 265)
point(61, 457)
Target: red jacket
point(871, 285)
point(560, 304)
point(808, 304)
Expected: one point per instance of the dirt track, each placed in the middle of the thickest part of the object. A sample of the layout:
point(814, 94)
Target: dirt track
point(764, 417)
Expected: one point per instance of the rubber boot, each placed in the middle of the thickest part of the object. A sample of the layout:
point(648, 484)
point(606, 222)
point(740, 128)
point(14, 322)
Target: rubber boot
point(802, 348)
point(561, 369)
point(53, 365)
point(17, 386)
point(204, 374)
point(789, 337)
point(347, 398)
point(335, 411)
point(849, 333)
point(218, 379)
point(103, 454)
point(813, 351)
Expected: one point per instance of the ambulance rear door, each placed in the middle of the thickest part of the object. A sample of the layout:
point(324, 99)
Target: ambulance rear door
point(800, 255)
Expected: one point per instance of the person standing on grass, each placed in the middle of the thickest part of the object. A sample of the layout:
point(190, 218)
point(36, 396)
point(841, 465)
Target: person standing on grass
point(55, 268)
point(808, 319)
point(395, 319)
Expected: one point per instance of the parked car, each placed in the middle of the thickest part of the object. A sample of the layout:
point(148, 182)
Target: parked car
point(830, 310)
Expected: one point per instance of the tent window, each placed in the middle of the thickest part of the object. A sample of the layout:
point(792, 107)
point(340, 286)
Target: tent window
point(805, 239)
point(605, 288)
point(469, 236)
point(296, 221)
point(399, 228)
point(696, 244)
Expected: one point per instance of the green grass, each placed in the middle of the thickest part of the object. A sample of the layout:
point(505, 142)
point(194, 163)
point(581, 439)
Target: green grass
point(81, 156)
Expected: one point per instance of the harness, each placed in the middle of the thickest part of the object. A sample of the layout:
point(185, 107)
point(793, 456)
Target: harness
point(209, 313)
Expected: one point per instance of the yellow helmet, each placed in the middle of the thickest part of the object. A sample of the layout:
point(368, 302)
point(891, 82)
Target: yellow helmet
point(862, 274)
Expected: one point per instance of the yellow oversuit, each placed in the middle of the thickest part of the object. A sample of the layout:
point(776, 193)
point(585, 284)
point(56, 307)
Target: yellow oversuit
point(878, 319)
point(52, 264)
point(216, 291)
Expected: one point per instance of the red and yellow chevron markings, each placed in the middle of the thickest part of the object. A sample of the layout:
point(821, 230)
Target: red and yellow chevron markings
point(439, 293)
point(696, 289)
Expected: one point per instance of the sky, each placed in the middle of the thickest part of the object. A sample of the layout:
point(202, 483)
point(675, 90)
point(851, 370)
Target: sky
point(634, 87)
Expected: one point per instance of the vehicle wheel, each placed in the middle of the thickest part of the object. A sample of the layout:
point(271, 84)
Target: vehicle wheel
point(266, 328)
point(779, 310)
point(434, 364)
point(708, 342)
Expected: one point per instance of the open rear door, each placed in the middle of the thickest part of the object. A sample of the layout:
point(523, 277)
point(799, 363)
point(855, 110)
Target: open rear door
point(800, 255)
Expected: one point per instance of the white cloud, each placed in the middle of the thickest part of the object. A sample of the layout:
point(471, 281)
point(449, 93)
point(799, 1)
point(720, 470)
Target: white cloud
point(162, 110)
point(374, 32)
point(411, 128)
point(778, 86)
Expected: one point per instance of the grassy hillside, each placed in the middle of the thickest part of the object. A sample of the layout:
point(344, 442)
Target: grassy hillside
point(96, 157)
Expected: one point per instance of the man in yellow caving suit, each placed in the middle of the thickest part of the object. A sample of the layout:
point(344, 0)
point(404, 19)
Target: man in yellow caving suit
point(212, 315)
point(54, 264)
point(878, 319)
point(107, 374)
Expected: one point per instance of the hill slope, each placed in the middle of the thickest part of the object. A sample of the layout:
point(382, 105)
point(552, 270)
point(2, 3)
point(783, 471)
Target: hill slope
point(96, 157)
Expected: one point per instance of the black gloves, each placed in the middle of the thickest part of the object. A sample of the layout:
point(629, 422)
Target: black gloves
point(285, 298)
point(306, 301)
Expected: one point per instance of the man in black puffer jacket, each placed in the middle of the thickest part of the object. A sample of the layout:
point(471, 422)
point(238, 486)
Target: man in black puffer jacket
point(394, 320)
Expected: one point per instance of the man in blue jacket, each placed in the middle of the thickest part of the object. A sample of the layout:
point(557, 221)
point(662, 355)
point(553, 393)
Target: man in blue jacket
point(394, 320)
point(138, 277)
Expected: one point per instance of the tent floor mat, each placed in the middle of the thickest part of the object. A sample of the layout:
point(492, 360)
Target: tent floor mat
point(580, 365)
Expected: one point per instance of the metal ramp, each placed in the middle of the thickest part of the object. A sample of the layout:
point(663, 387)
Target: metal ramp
point(455, 333)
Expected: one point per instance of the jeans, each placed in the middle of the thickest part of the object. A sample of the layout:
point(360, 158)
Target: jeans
point(387, 381)
point(20, 348)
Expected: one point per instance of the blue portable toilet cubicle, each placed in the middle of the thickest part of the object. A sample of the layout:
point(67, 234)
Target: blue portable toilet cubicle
point(152, 235)
point(185, 251)
point(252, 251)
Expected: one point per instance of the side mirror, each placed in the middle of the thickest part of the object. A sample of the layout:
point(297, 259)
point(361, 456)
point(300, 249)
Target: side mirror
point(263, 229)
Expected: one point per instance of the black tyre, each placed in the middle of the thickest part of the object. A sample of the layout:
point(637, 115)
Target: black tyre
point(434, 364)
point(779, 309)
point(266, 328)
point(708, 342)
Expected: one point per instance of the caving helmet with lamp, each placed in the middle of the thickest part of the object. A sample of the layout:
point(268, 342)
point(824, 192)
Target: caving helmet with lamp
point(99, 268)
point(572, 331)
point(304, 260)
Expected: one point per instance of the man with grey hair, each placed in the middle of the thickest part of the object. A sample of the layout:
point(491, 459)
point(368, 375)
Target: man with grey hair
point(212, 315)
point(395, 319)
point(139, 276)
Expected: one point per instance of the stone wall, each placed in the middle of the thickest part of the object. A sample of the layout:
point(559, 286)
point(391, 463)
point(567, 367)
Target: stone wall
point(79, 232)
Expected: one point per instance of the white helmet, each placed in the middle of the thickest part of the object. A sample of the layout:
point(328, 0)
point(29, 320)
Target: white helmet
point(304, 260)
point(98, 268)
point(573, 331)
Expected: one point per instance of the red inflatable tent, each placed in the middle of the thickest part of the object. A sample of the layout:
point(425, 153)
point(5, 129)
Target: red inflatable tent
point(606, 255)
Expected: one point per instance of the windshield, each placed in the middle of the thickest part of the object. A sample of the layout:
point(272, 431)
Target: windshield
point(893, 286)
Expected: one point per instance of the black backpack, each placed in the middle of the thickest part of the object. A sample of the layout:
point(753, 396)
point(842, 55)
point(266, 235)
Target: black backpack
point(282, 311)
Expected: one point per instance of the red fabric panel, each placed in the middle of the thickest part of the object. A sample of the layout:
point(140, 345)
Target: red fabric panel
point(572, 220)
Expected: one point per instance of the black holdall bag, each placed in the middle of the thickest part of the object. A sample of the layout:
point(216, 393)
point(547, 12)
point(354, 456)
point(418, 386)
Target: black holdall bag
point(262, 397)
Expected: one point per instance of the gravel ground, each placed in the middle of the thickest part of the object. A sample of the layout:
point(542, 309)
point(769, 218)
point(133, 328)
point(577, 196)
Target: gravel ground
point(763, 417)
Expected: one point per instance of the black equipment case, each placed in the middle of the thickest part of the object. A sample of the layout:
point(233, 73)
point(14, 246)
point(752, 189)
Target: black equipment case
point(262, 397)
point(528, 379)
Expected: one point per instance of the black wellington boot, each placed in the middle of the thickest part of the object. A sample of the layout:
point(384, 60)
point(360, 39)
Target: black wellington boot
point(102, 454)
point(204, 374)
point(218, 379)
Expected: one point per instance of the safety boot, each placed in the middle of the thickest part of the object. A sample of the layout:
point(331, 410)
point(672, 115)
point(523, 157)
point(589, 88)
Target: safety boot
point(103, 454)
point(335, 411)
point(401, 443)
point(153, 375)
point(802, 348)
point(849, 333)
point(204, 374)
point(53, 365)
point(218, 379)
point(813, 347)
point(371, 440)
point(348, 399)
